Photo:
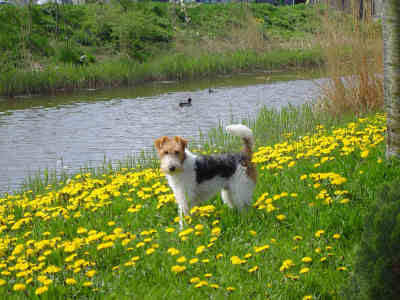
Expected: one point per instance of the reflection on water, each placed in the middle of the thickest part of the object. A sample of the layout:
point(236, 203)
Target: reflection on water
point(74, 130)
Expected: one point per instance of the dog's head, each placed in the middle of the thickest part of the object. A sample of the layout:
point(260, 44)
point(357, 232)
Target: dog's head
point(171, 152)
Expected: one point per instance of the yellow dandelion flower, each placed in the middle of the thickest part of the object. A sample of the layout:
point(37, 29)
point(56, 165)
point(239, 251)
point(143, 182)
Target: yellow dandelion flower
point(186, 232)
point(281, 217)
point(200, 249)
point(70, 281)
point(216, 231)
point(52, 269)
point(90, 273)
point(219, 255)
point(105, 245)
point(139, 245)
point(178, 269)
point(150, 251)
point(19, 287)
point(87, 283)
point(181, 259)
point(304, 270)
point(261, 248)
point(297, 238)
point(193, 261)
point(195, 280)
point(199, 227)
point(303, 177)
point(336, 236)
point(306, 259)
point(253, 269)
point(236, 260)
point(41, 290)
point(201, 283)
point(364, 154)
point(287, 264)
point(173, 251)
point(215, 222)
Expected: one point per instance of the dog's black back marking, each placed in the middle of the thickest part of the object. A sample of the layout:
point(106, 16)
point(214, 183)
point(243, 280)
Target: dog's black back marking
point(224, 165)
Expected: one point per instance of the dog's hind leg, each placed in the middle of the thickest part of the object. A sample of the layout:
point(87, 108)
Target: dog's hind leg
point(226, 196)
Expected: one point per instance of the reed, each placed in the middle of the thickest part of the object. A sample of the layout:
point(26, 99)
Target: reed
point(172, 67)
point(353, 50)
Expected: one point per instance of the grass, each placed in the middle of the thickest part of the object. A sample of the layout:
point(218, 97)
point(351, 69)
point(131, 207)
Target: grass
point(353, 52)
point(148, 41)
point(114, 234)
point(173, 67)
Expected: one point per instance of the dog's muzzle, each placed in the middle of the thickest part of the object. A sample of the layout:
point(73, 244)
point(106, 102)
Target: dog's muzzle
point(170, 164)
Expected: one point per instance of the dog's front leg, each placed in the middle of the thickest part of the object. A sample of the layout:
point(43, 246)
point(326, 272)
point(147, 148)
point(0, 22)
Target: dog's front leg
point(183, 199)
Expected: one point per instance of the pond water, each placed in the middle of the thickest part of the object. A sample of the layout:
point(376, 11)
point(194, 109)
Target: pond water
point(73, 130)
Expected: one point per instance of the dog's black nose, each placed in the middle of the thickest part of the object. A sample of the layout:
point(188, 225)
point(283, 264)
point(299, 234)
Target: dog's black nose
point(172, 169)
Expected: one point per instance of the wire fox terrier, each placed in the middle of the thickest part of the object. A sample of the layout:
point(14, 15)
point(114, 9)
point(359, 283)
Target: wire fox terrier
point(196, 178)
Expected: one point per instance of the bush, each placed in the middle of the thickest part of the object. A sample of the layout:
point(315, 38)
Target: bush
point(377, 269)
point(141, 34)
point(69, 54)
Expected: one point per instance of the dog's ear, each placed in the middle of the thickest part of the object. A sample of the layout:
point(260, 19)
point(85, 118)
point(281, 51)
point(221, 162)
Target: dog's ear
point(158, 143)
point(181, 141)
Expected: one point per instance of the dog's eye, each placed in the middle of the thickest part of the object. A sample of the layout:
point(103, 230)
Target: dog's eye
point(166, 152)
point(176, 152)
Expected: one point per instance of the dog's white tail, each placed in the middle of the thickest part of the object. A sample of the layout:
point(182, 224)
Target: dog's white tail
point(245, 133)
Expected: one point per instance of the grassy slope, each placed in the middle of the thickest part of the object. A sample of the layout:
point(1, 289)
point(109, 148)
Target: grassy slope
point(147, 41)
point(313, 190)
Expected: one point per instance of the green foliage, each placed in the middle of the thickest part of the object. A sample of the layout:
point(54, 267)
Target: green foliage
point(141, 34)
point(287, 20)
point(215, 19)
point(377, 271)
point(69, 55)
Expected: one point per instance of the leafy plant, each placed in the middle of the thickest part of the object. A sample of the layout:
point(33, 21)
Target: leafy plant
point(377, 271)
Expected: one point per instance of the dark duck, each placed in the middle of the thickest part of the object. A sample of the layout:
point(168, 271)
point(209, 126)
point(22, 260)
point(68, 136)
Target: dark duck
point(188, 103)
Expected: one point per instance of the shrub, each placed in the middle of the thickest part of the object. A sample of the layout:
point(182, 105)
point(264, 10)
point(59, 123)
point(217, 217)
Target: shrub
point(377, 269)
point(69, 54)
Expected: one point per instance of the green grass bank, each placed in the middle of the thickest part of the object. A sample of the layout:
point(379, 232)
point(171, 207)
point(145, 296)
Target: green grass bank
point(113, 233)
point(62, 47)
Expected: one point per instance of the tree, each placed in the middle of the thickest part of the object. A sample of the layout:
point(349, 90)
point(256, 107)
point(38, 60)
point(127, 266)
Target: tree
point(377, 8)
point(391, 40)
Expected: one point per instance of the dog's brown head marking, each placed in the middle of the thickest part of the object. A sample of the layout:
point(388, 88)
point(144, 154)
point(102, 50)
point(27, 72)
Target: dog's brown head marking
point(171, 152)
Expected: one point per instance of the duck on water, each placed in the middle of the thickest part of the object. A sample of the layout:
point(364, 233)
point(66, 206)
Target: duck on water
point(188, 103)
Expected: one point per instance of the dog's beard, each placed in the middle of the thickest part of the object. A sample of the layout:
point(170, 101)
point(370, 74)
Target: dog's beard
point(171, 165)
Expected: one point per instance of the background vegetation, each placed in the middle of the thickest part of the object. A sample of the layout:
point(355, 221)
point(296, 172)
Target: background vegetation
point(53, 46)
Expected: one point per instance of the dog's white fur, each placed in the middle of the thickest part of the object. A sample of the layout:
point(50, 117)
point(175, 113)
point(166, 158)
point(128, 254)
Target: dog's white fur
point(179, 165)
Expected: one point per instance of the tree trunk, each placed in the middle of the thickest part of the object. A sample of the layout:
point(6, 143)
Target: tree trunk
point(378, 8)
point(391, 40)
